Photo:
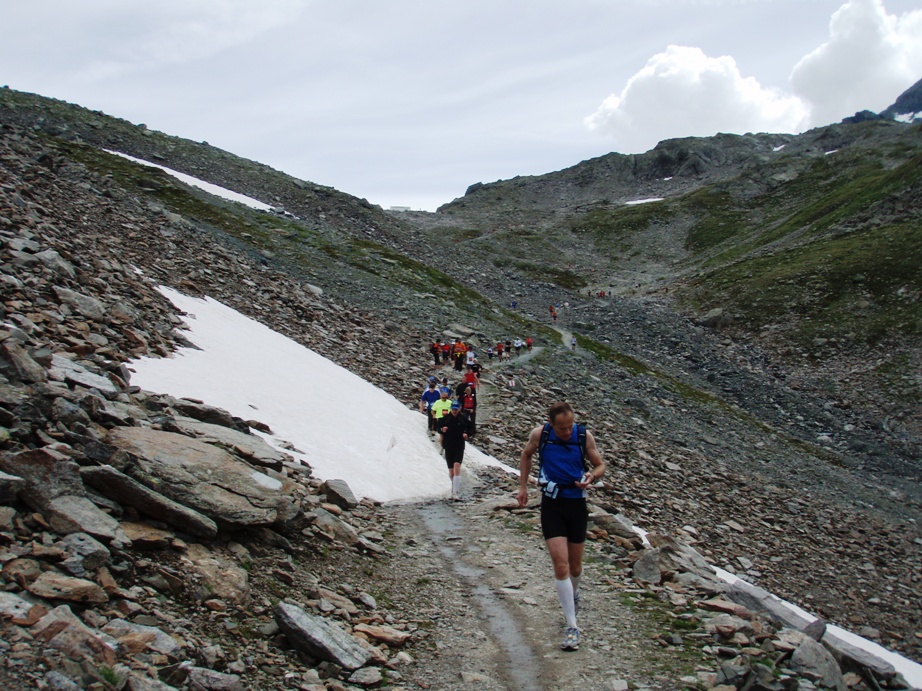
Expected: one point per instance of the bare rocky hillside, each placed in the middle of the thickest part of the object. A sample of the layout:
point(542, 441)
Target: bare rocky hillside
point(712, 440)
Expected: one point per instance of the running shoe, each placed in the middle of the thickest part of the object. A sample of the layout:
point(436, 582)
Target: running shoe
point(570, 639)
point(576, 601)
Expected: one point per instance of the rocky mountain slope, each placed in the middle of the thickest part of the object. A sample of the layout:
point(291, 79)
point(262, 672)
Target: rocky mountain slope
point(748, 451)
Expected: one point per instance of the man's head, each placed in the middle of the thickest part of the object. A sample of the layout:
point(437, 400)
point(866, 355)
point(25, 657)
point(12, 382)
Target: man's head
point(455, 408)
point(444, 391)
point(432, 385)
point(561, 418)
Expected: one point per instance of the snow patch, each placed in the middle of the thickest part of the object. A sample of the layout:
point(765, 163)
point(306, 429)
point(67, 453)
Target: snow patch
point(341, 425)
point(201, 184)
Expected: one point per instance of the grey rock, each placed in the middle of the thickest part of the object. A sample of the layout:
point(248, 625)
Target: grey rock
point(813, 661)
point(88, 306)
point(56, 263)
point(139, 683)
point(851, 656)
point(333, 526)
point(10, 486)
point(647, 568)
point(340, 494)
point(56, 681)
point(70, 372)
point(616, 525)
point(760, 600)
point(320, 638)
point(73, 514)
point(367, 676)
point(23, 367)
point(202, 477)
point(203, 413)
point(251, 448)
point(118, 486)
point(202, 679)
point(48, 474)
point(68, 413)
point(84, 551)
point(13, 607)
point(159, 642)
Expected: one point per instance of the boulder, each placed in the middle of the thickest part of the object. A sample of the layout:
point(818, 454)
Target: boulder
point(22, 366)
point(84, 553)
point(615, 525)
point(48, 474)
point(88, 306)
point(72, 514)
point(62, 630)
point(72, 373)
point(52, 585)
point(760, 600)
point(137, 637)
point(128, 491)
point(319, 637)
point(813, 661)
point(333, 527)
point(203, 413)
point(10, 486)
point(850, 656)
point(251, 448)
point(340, 494)
point(203, 477)
point(204, 679)
point(19, 611)
point(223, 577)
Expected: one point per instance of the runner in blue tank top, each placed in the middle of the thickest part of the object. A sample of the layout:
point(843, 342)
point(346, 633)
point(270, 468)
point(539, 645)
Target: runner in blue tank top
point(564, 515)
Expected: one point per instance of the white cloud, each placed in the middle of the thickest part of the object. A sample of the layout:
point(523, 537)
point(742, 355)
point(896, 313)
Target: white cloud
point(870, 58)
point(683, 92)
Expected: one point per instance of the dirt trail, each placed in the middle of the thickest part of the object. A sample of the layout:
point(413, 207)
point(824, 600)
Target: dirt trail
point(499, 622)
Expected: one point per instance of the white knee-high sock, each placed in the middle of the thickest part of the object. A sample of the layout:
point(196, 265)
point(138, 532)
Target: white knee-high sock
point(456, 484)
point(575, 581)
point(565, 595)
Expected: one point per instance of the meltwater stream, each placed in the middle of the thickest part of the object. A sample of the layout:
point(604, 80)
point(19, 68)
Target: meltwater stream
point(523, 665)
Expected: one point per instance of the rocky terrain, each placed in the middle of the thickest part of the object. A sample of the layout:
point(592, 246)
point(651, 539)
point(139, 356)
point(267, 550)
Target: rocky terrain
point(711, 441)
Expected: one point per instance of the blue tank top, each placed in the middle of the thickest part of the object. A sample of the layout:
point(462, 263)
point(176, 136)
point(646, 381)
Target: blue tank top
point(562, 463)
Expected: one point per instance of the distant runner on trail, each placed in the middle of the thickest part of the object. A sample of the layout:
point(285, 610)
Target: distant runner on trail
point(572, 342)
point(430, 396)
point(440, 408)
point(459, 353)
point(563, 447)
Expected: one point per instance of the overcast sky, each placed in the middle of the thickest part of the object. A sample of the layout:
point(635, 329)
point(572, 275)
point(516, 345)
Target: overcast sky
point(407, 102)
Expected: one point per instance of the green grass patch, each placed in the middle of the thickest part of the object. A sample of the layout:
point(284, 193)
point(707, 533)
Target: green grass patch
point(545, 272)
point(863, 286)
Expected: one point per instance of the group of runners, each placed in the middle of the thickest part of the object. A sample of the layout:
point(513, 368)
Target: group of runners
point(569, 463)
point(459, 354)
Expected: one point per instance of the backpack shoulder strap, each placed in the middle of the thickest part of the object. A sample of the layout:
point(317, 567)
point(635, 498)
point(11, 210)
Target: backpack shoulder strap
point(545, 434)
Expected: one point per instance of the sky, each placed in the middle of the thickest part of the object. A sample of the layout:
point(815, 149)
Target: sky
point(391, 458)
point(408, 102)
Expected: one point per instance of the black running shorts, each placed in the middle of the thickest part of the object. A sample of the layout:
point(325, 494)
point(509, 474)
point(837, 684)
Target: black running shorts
point(453, 456)
point(564, 518)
